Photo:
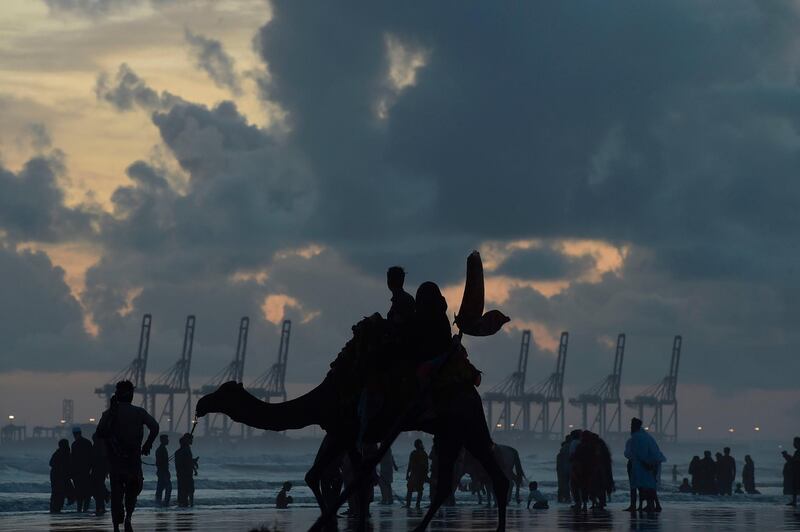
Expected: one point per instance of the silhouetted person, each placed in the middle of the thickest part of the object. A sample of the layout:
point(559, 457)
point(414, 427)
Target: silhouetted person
point(738, 488)
point(646, 458)
point(719, 473)
point(387, 469)
point(574, 441)
point(708, 473)
point(791, 473)
point(685, 487)
point(185, 470)
point(59, 476)
point(535, 496)
point(749, 476)
point(674, 472)
point(431, 324)
point(695, 470)
point(727, 472)
point(401, 313)
point(97, 478)
point(283, 499)
point(81, 467)
point(122, 428)
point(417, 472)
point(562, 471)
point(163, 478)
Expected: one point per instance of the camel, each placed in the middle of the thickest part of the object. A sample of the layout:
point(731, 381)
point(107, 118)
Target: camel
point(507, 458)
point(457, 421)
point(412, 399)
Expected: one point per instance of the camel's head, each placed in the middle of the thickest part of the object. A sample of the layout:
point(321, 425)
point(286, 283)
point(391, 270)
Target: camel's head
point(217, 401)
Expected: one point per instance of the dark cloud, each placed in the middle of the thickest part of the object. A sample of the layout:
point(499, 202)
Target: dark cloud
point(129, 91)
point(41, 323)
point(32, 205)
point(545, 263)
point(543, 120)
point(210, 56)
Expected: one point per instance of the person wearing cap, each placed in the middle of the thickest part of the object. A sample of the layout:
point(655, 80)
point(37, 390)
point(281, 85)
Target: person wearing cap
point(122, 429)
point(80, 468)
point(283, 500)
point(185, 470)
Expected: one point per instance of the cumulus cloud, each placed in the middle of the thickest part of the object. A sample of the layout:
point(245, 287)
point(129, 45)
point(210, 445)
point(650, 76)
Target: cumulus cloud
point(32, 204)
point(128, 91)
point(40, 321)
point(210, 56)
point(415, 134)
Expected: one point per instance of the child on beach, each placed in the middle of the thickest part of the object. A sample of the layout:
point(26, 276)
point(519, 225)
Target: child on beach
point(535, 496)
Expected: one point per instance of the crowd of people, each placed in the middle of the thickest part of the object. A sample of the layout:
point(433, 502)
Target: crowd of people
point(77, 474)
point(716, 477)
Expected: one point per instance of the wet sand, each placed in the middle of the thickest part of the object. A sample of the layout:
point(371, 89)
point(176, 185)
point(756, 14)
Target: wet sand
point(688, 517)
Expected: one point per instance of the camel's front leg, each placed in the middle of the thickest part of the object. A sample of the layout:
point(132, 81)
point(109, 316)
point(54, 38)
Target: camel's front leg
point(330, 450)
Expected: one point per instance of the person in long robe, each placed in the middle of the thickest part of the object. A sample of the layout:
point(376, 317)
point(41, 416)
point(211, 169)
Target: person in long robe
point(59, 476)
point(708, 474)
point(749, 476)
point(645, 457)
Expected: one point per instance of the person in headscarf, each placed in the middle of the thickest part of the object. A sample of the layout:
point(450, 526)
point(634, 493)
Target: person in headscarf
point(646, 458)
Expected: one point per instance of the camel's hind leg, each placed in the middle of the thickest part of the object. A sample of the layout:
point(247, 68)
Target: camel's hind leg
point(481, 449)
point(447, 451)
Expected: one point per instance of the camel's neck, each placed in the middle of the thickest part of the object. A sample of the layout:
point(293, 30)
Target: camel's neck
point(295, 414)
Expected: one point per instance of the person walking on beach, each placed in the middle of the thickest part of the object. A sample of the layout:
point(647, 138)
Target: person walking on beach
point(417, 472)
point(122, 428)
point(185, 470)
point(749, 476)
point(81, 466)
point(283, 499)
point(163, 478)
point(387, 469)
point(59, 476)
point(646, 458)
point(97, 478)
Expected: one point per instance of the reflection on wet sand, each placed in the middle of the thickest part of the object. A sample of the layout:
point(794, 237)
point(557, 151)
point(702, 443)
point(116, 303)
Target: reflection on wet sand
point(687, 518)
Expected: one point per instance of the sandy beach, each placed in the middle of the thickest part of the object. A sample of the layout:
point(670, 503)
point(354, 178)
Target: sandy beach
point(687, 517)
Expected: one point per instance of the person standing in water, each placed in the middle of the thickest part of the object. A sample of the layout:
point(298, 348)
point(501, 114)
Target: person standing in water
point(122, 429)
point(164, 480)
point(81, 465)
point(749, 476)
point(97, 478)
point(185, 470)
point(59, 476)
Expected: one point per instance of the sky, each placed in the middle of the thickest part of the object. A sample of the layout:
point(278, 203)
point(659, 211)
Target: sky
point(626, 167)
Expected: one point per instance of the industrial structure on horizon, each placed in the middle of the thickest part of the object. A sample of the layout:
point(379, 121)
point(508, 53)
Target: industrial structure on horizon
point(512, 405)
point(657, 406)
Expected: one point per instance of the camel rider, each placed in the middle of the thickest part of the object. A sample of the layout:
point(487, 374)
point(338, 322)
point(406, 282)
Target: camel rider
point(400, 317)
point(401, 313)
